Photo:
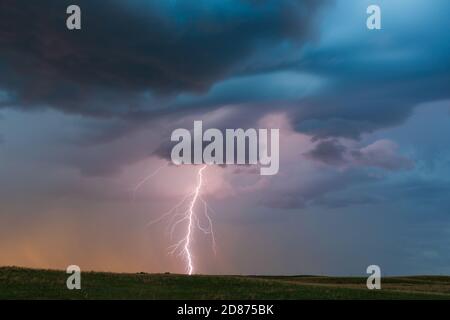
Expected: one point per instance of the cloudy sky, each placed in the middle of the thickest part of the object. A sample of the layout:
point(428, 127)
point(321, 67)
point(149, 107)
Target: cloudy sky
point(364, 120)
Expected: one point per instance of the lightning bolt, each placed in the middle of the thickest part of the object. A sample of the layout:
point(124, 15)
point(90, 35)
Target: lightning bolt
point(191, 218)
point(146, 179)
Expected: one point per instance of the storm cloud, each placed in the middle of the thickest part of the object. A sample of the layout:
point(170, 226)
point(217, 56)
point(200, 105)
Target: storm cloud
point(363, 116)
point(131, 56)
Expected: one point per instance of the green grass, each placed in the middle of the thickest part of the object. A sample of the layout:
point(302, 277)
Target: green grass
point(21, 283)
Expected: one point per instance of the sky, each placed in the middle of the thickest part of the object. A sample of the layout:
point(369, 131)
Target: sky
point(364, 134)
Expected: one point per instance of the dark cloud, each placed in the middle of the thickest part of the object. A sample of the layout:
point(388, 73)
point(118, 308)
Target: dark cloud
point(380, 154)
point(140, 60)
point(329, 152)
point(128, 53)
point(364, 105)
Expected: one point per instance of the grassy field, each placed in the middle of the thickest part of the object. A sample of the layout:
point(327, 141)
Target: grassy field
point(20, 283)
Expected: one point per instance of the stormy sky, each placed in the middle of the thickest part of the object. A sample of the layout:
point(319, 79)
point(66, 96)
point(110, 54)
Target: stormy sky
point(364, 118)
